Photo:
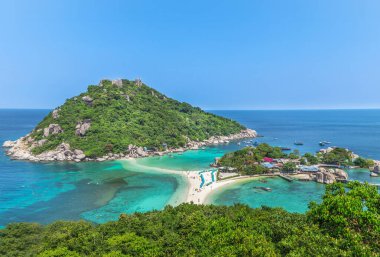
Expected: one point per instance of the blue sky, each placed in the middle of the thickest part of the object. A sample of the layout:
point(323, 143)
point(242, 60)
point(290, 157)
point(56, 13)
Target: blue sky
point(213, 54)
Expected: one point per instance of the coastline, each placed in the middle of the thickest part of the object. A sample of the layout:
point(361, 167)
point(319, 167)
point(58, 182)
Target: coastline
point(21, 149)
point(191, 191)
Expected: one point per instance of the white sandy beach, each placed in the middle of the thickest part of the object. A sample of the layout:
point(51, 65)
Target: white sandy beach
point(190, 192)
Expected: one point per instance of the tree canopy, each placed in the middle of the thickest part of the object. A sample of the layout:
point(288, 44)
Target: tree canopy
point(345, 223)
point(129, 113)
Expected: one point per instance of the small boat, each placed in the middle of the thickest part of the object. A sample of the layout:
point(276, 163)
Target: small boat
point(238, 143)
point(263, 180)
point(268, 189)
point(298, 143)
point(323, 143)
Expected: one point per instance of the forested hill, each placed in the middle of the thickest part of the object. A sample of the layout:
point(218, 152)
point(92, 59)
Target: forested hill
point(115, 114)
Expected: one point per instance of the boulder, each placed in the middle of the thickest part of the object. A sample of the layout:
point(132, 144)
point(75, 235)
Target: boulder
point(117, 82)
point(82, 127)
point(328, 178)
point(78, 152)
point(88, 100)
point(140, 151)
point(41, 142)
point(53, 129)
point(138, 82)
point(63, 147)
point(80, 156)
point(376, 169)
point(325, 177)
point(9, 144)
point(341, 174)
point(55, 114)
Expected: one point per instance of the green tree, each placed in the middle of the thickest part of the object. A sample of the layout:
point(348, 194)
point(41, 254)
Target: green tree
point(350, 211)
point(289, 167)
point(364, 163)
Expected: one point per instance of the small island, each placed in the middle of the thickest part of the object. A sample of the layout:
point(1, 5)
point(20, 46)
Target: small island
point(122, 118)
point(327, 166)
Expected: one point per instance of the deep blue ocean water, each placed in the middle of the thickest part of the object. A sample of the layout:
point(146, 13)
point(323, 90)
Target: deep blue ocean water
point(101, 191)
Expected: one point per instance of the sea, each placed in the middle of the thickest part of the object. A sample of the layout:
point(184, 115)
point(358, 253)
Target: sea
point(100, 192)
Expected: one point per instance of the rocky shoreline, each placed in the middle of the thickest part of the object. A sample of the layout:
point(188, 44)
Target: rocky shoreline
point(21, 149)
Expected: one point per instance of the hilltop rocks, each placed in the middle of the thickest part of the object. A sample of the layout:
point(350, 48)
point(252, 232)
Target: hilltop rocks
point(82, 127)
point(88, 100)
point(117, 82)
point(55, 114)
point(138, 82)
point(53, 129)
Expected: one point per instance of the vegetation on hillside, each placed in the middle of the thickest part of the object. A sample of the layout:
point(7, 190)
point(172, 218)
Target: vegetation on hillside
point(346, 223)
point(342, 156)
point(247, 160)
point(131, 113)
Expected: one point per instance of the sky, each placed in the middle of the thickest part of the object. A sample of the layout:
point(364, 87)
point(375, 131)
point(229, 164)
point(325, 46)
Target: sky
point(294, 54)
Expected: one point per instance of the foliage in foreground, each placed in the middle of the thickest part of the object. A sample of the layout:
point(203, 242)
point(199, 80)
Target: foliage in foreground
point(130, 114)
point(346, 223)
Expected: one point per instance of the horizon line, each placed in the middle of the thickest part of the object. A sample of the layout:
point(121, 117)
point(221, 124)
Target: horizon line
point(259, 109)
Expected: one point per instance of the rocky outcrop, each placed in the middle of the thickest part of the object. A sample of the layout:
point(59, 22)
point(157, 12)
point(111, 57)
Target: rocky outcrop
point(325, 177)
point(21, 149)
point(53, 129)
point(88, 100)
point(329, 176)
point(8, 144)
point(138, 82)
point(82, 127)
point(41, 142)
point(117, 82)
point(55, 114)
point(340, 174)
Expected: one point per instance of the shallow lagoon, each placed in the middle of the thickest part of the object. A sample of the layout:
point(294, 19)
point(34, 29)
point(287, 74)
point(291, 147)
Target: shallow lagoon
point(101, 191)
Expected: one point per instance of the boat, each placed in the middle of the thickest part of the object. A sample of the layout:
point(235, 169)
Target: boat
point(238, 143)
point(268, 189)
point(298, 143)
point(323, 143)
point(263, 180)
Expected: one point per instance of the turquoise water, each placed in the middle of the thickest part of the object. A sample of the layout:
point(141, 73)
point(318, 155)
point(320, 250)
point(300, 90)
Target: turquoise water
point(101, 191)
point(292, 196)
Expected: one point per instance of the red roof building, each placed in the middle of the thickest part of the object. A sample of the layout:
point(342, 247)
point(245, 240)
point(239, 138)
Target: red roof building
point(267, 159)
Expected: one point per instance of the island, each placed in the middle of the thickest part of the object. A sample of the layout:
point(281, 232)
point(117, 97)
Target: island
point(327, 166)
point(122, 118)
